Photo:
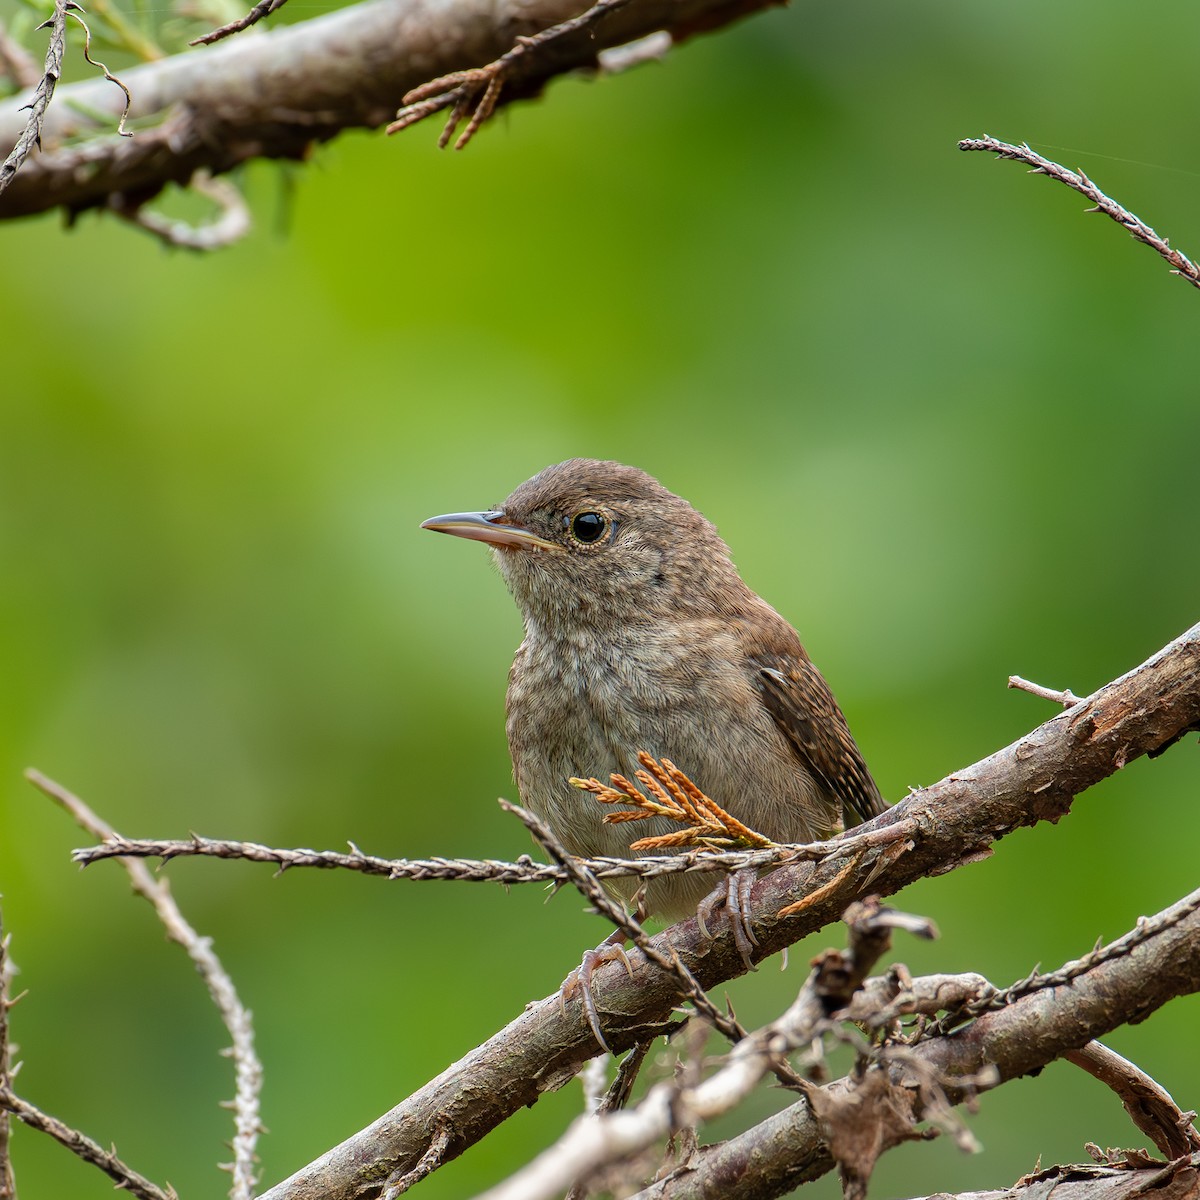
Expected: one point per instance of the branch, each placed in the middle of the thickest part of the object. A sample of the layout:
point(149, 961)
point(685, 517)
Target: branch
point(953, 822)
point(1147, 1102)
point(1132, 1180)
point(83, 1147)
point(275, 95)
point(31, 134)
point(490, 870)
point(792, 1147)
point(593, 1142)
point(1180, 263)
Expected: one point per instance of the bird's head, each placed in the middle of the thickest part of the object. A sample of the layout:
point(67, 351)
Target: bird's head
point(584, 537)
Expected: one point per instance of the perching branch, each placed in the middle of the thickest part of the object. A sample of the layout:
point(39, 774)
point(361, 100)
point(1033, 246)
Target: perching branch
point(1180, 263)
point(277, 94)
point(793, 1146)
point(490, 870)
point(594, 1142)
point(953, 822)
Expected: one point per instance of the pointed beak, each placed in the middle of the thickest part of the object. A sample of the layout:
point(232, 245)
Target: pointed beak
point(490, 527)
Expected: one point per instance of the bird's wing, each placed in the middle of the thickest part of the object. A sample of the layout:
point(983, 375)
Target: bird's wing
point(797, 696)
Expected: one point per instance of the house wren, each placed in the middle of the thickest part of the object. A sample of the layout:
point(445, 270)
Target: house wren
point(641, 635)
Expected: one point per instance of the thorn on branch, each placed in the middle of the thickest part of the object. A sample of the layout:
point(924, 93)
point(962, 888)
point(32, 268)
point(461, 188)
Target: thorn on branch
point(1076, 180)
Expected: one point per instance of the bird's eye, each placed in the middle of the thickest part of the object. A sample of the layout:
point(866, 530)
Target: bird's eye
point(588, 527)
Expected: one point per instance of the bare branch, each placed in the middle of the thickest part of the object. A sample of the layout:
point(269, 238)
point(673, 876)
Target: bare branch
point(231, 224)
point(1131, 1179)
point(1065, 698)
point(84, 1148)
point(1180, 264)
point(791, 1147)
point(264, 8)
point(488, 870)
point(31, 134)
point(247, 1068)
point(1035, 779)
point(593, 1142)
point(1147, 1102)
point(278, 94)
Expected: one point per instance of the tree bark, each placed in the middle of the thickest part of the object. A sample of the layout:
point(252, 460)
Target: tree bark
point(276, 93)
point(944, 826)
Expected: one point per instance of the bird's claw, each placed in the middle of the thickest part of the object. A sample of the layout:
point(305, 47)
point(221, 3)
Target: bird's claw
point(580, 981)
point(732, 894)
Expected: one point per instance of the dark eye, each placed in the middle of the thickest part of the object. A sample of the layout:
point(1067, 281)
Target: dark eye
point(588, 527)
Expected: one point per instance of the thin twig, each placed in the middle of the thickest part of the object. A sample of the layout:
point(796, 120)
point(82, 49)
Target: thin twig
point(31, 135)
point(84, 1148)
point(231, 224)
point(1066, 698)
point(1145, 929)
point(75, 11)
point(1180, 264)
point(247, 1068)
point(474, 870)
point(264, 8)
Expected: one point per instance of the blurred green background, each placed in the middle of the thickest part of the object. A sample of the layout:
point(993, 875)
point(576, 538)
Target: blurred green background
point(948, 424)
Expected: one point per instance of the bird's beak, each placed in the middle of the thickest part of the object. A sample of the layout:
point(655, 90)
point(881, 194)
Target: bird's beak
point(490, 527)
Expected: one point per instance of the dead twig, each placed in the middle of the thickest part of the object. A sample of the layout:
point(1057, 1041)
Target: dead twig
point(31, 135)
point(84, 1148)
point(231, 224)
point(1066, 698)
point(1180, 264)
point(264, 8)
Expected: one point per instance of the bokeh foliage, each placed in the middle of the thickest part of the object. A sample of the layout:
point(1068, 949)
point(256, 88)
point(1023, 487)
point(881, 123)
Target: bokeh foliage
point(948, 423)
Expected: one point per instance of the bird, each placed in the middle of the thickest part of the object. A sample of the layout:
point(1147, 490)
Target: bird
point(641, 636)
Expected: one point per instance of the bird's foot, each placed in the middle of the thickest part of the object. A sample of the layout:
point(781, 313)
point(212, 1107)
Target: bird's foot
point(733, 894)
point(580, 981)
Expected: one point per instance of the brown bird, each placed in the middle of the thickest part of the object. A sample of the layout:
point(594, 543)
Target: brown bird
point(641, 635)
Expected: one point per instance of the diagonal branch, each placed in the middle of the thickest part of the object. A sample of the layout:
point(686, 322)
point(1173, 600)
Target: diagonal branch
point(278, 94)
point(31, 134)
point(955, 822)
point(790, 1148)
point(1180, 263)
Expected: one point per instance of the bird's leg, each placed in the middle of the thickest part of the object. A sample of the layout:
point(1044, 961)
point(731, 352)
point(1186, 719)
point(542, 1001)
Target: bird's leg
point(733, 894)
point(580, 980)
